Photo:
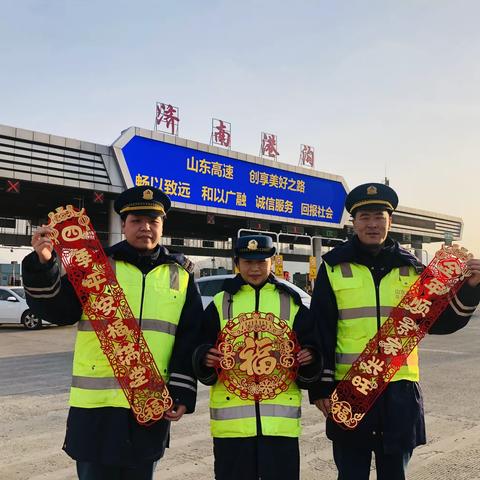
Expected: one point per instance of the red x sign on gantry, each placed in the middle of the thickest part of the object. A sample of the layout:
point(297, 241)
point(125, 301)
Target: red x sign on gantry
point(13, 186)
point(98, 197)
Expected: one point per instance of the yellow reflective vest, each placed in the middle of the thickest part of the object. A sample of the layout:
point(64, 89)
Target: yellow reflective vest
point(231, 416)
point(362, 309)
point(157, 298)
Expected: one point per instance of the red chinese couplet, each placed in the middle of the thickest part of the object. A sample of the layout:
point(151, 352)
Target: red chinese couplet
point(106, 307)
point(406, 326)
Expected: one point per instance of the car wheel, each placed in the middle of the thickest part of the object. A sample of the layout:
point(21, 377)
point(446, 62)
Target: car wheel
point(31, 321)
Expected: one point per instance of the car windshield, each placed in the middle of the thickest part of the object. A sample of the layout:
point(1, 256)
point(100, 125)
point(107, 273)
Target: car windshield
point(19, 291)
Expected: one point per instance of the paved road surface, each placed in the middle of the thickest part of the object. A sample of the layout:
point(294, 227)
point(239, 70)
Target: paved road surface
point(35, 374)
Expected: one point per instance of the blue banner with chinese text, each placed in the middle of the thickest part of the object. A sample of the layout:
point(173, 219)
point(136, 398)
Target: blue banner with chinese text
point(201, 178)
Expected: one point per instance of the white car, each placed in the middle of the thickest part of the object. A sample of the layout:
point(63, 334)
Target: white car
point(209, 286)
point(14, 308)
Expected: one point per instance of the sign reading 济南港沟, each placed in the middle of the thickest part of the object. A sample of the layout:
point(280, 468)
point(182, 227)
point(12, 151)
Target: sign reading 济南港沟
point(205, 179)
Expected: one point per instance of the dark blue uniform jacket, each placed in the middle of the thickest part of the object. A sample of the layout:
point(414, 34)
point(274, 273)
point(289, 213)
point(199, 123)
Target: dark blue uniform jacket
point(396, 421)
point(111, 435)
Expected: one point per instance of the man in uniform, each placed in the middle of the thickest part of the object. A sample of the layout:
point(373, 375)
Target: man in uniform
point(358, 284)
point(256, 439)
point(102, 433)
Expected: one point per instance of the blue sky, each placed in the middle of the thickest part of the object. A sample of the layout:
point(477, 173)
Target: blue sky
point(375, 86)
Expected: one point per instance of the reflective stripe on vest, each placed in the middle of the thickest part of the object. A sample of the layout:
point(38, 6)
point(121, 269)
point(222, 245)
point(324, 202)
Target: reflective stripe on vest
point(231, 416)
point(354, 290)
point(359, 312)
point(248, 411)
point(349, 358)
point(93, 382)
point(147, 325)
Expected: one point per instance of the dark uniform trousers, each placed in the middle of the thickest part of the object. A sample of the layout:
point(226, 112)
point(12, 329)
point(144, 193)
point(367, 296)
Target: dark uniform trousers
point(252, 458)
point(96, 471)
point(353, 463)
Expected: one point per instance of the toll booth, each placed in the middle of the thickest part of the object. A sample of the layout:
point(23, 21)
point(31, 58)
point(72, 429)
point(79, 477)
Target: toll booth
point(217, 194)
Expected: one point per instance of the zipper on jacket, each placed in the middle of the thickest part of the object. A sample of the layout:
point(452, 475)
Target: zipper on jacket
point(377, 296)
point(257, 299)
point(141, 301)
point(377, 299)
point(257, 405)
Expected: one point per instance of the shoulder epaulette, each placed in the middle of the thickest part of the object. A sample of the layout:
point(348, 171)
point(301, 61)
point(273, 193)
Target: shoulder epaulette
point(411, 259)
point(188, 265)
point(419, 268)
point(183, 261)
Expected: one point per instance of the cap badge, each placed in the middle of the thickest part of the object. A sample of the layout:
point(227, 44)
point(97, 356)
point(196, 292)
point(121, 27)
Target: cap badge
point(371, 190)
point(252, 245)
point(147, 195)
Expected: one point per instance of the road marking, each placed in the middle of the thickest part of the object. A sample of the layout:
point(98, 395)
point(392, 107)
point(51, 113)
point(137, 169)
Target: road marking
point(434, 350)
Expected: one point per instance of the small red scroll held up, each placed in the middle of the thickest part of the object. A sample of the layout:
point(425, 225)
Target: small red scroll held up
point(258, 356)
point(104, 303)
point(405, 327)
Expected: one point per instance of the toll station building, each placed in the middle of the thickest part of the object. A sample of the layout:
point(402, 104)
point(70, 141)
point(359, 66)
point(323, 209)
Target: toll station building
point(217, 195)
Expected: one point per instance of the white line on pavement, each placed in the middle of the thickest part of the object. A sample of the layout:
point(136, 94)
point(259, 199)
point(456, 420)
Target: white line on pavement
point(434, 350)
